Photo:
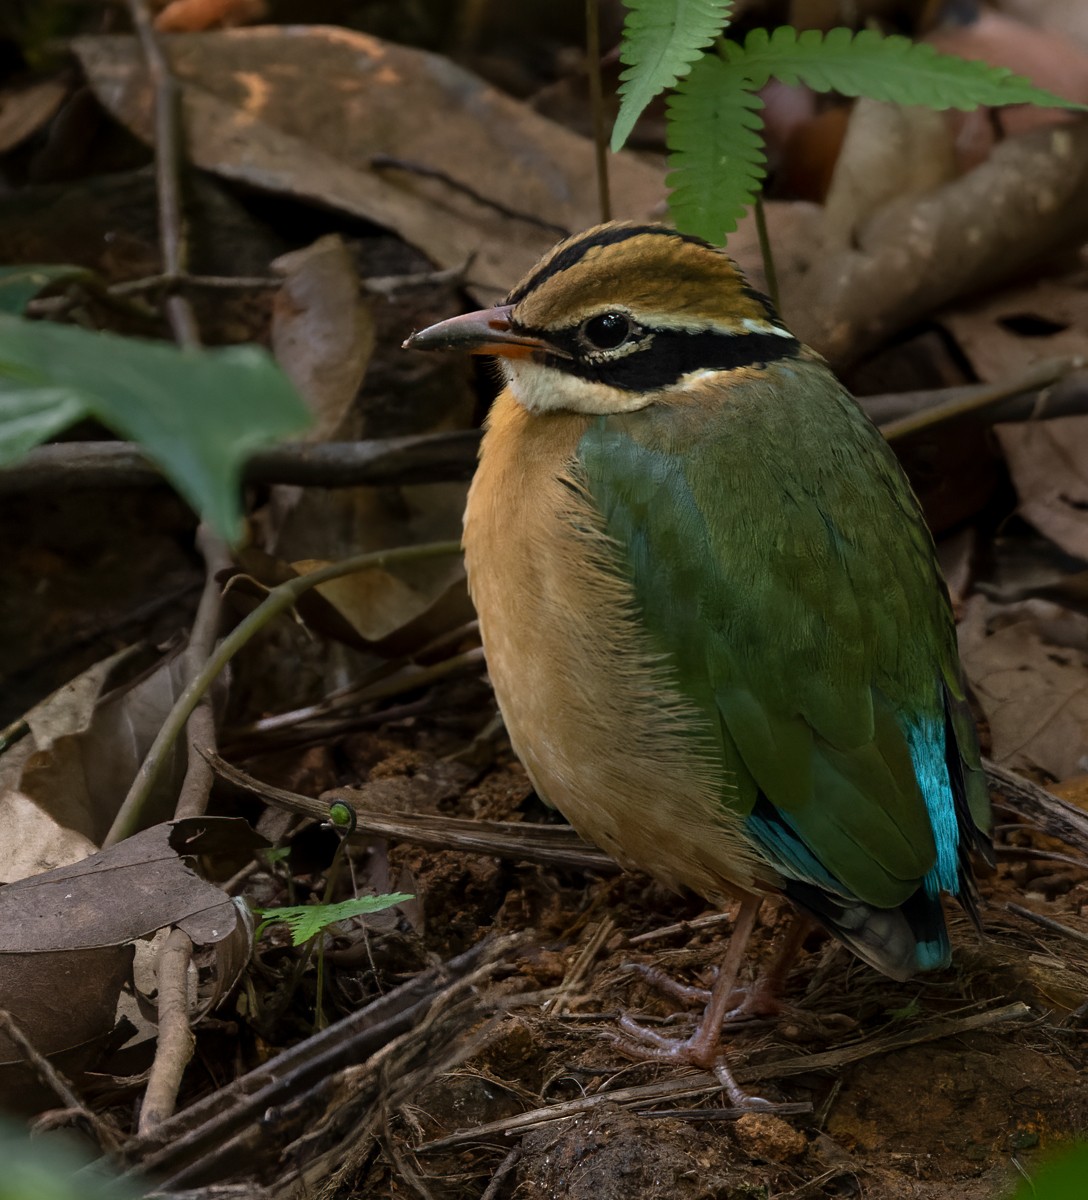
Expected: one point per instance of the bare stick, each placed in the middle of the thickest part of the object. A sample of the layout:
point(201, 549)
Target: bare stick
point(1074, 935)
point(175, 1038)
point(557, 845)
point(703, 1082)
point(504, 1169)
point(424, 458)
point(984, 399)
point(1056, 816)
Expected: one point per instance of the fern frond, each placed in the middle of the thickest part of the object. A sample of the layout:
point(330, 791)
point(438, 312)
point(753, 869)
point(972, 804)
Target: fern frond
point(882, 68)
point(661, 39)
point(306, 921)
point(716, 149)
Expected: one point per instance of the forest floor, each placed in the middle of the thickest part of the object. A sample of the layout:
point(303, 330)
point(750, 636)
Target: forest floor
point(335, 187)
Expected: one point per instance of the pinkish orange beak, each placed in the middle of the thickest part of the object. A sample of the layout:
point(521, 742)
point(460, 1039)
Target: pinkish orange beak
point(488, 331)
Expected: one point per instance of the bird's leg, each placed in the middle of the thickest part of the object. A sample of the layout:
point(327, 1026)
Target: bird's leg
point(762, 998)
point(703, 1048)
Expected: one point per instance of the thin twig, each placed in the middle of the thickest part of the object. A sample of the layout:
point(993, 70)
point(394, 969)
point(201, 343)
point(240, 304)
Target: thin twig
point(504, 1168)
point(556, 845)
point(57, 1083)
point(173, 235)
point(800, 1109)
point(152, 283)
point(200, 729)
point(596, 104)
point(1057, 817)
point(975, 401)
point(259, 1113)
point(705, 921)
point(1042, 855)
point(279, 600)
point(423, 458)
point(1074, 935)
point(578, 969)
point(704, 1083)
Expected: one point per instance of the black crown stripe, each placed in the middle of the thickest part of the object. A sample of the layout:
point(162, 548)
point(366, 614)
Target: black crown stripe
point(605, 235)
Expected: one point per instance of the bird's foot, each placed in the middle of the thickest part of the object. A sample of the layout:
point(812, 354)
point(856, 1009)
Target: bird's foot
point(664, 983)
point(701, 1049)
point(758, 999)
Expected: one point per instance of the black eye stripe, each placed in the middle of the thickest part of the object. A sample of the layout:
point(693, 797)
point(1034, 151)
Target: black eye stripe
point(667, 355)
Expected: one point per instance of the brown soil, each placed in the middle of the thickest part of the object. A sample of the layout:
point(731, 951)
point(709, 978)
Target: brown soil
point(954, 1118)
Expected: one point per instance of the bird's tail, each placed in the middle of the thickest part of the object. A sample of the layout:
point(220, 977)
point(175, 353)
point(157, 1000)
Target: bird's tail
point(899, 942)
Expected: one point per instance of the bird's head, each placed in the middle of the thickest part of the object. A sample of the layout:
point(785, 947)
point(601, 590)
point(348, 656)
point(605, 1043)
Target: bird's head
point(618, 318)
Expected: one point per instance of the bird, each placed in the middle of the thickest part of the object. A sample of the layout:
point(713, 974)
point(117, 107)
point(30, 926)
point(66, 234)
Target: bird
point(711, 608)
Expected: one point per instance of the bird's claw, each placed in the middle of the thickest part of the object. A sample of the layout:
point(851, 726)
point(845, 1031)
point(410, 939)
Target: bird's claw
point(649, 1045)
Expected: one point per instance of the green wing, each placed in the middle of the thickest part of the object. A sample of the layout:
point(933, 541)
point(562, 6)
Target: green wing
point(782, 564)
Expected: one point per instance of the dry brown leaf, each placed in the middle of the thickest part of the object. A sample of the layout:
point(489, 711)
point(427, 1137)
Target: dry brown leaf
point(64, 1000)
point(78, 779)
point(1049, 465)
point(374, 603)
point(323, 337)
point(40, 838)
point(1003, 337)
point(125, 892)
point(323, 333)
point(64, 935)
point(367, 610)
point(306, 110)
point(26, 107)
point(1034, 692)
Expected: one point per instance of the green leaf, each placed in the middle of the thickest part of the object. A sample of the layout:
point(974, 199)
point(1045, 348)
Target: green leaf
point(198, 413)
point(717, 159)
point(30, 416)
point(19, 285)
point(661, 40)
point(883, 68)
point(1062, 1178)
point(50, 1168)
point(306, 921)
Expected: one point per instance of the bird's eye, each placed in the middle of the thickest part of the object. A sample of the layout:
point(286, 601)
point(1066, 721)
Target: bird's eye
point(607, 331)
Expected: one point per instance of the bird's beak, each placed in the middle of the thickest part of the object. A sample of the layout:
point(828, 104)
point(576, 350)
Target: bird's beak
point(488, 331)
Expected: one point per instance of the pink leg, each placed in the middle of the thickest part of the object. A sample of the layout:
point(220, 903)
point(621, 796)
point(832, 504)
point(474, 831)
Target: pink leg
point(762, 999)
point(703, 1048)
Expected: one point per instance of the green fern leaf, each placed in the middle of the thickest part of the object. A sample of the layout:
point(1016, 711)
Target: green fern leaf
point(661, 39)
point(306, 921)
point(716, 149)
point(883, 68)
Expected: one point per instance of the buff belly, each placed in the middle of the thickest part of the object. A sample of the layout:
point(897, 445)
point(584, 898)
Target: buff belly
point(589, 705)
